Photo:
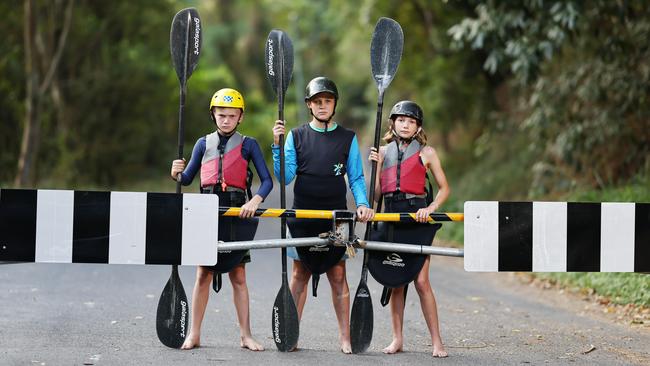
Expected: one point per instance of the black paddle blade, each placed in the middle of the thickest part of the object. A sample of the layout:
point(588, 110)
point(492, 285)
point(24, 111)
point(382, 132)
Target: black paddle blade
point(285, 325)
point(361, 319)
point(279, 60)
point(386, 51)
point(171, 317)
point(185, 42)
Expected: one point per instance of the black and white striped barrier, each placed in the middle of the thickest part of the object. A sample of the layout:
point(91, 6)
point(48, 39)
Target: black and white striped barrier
point(557, 236)
point(58, 226)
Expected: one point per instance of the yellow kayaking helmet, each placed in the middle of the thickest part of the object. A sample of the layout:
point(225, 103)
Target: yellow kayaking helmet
point(226, 97)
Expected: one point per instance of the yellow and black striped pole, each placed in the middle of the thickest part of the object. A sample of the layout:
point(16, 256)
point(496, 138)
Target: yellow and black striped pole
point(328, 214)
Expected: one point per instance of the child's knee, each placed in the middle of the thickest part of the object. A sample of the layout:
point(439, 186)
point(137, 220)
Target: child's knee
point(300, 274)
point(337, 279)
point(203, 277)
point(422, 285)
point(238, 281)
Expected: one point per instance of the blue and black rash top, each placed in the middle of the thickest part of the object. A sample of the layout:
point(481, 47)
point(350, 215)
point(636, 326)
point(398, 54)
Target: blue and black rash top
point(250, 151)
point(319, 161)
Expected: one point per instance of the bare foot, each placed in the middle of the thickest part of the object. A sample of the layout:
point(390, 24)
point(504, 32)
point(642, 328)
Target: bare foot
point(251, 344)
point(439, 351)
point(346, 347)
point(191, 341)
point(394, 347)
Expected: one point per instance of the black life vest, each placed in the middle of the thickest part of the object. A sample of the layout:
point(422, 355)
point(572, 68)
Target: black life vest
point(320, 184)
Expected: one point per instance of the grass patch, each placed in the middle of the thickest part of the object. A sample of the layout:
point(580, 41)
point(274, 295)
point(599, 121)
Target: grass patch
point(620, 288)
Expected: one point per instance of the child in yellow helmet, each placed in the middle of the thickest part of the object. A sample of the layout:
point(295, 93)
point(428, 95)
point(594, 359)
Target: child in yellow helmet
point(222, 158)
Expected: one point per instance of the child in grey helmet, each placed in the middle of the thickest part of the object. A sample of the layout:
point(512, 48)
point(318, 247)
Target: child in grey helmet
point(318, 155)
point(404, 163)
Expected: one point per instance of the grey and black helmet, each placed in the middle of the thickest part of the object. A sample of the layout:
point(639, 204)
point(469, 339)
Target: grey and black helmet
point(321, 84)
point(407, 108)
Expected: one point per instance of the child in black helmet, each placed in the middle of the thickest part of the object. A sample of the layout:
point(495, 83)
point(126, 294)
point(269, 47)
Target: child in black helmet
point(404, 162)
point(318, 155)
point(222, 158)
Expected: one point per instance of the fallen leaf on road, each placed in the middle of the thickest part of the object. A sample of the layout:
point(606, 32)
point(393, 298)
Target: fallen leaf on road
point(591, 348)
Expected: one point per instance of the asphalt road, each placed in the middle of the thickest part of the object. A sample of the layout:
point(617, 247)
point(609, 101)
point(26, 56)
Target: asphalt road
point(82, 314)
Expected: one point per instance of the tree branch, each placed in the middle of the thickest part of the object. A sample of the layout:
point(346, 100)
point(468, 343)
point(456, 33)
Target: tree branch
point(59, 50)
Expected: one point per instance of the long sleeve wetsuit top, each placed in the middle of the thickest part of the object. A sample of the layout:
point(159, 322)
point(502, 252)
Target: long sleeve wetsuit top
point(319, 161)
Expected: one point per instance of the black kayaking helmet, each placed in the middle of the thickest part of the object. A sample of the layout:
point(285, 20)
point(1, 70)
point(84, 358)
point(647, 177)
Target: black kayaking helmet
point(407, 108)
point(322, 84)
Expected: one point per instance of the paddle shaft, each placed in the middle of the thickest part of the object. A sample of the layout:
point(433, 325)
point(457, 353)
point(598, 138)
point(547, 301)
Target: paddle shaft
point(373, 179)
point(283, 190)
point(373, 174)
point(181, 132)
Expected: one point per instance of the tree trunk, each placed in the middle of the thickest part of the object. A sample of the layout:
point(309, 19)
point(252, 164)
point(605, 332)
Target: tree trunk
point(31, 79)
point(35, 92)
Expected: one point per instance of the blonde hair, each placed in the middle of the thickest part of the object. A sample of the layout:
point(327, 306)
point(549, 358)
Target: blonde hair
point(391, 136)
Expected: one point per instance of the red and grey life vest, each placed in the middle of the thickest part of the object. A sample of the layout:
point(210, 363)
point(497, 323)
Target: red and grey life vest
point(226, 167)
point(403, 171)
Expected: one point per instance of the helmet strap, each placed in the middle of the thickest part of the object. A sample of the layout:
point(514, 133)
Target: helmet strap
point(401, 139)
point(221, 132)
point(325, 121)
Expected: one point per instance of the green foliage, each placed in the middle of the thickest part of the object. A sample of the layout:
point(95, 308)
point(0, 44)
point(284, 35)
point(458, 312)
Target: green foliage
point(620, 288)
point(592, 111)
point(583, 73)
point(548, 98)
point(636, 190)
point(520, 34)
